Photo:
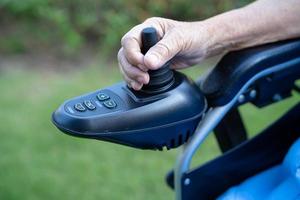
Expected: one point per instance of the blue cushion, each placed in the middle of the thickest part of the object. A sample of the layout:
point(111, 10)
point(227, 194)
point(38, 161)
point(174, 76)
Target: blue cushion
point(279, 182)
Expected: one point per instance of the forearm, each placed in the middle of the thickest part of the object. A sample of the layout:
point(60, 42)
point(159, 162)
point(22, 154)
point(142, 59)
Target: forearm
point(261, 22)
point(188, 43)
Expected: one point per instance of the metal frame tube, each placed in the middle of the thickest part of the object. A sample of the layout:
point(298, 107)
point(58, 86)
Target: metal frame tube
point(209, 122)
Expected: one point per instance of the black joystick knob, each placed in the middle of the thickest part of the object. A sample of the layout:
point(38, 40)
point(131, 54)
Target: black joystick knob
point(161, 79)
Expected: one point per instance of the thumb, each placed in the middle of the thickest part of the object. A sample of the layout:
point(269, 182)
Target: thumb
point(163, 51)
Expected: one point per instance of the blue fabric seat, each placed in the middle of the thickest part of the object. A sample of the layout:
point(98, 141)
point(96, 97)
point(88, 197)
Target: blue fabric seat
point(277, 183)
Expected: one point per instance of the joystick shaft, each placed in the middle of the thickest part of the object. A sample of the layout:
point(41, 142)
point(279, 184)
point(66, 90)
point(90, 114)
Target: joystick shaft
point(161, 79)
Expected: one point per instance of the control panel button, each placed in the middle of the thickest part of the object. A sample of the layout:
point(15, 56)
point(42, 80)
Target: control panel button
point(110, 104)
point(102, 97)
point(79, 107)
point(89, 105)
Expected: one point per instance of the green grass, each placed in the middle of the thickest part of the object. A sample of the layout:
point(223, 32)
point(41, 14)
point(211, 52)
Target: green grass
point(38, 162)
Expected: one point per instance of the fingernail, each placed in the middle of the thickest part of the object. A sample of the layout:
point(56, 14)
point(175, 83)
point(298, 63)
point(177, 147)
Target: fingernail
point(135, 86)
point(147, 79)
point(141, 80)
point(152, 60)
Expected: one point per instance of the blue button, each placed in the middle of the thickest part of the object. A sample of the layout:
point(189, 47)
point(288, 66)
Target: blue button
point(89, 105)
point(79, 107)
point(102, 96)
point(110, 104)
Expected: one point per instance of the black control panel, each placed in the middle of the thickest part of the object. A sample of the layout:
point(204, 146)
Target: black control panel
point(119, 115)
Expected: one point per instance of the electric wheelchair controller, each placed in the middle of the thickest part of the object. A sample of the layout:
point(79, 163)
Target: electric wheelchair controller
point(172, 110)
point(164, 113)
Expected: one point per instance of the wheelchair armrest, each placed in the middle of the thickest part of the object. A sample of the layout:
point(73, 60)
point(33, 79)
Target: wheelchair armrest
point(236, 68)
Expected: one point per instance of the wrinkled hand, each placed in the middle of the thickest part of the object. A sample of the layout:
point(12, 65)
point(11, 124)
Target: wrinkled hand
point(184, 43)
point(187, 43)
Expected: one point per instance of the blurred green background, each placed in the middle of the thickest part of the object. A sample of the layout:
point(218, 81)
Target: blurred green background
point(54, 50)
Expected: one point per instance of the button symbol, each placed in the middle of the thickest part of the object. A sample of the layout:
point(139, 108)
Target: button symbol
point(89, 105)
point(102, 97)
point(110, 104)
point(79, 107)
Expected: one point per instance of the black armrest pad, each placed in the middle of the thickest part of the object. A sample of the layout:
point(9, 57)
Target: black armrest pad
point(224, 81)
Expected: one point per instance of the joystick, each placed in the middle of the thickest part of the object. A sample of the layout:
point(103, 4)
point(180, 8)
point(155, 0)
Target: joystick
point(164, 113)
point(161, 79)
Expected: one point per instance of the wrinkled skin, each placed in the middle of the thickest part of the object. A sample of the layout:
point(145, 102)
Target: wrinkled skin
point(188, 43)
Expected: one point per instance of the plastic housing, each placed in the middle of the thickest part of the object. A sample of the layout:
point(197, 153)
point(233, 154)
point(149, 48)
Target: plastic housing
point(140, 120)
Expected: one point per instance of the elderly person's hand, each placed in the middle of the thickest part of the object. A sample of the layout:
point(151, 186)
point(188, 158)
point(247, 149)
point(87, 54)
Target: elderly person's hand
point(184, 42)
point(187, 43)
